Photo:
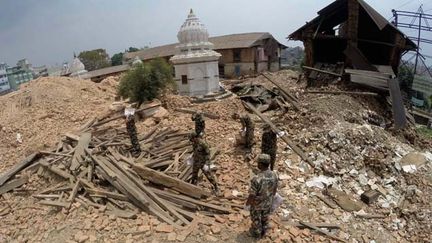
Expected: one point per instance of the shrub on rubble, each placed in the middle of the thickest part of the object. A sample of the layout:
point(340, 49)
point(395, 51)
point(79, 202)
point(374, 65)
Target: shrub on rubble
point(146, 81)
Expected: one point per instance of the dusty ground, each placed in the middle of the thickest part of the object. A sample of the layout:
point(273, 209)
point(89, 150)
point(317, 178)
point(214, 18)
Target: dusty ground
point(331, 129)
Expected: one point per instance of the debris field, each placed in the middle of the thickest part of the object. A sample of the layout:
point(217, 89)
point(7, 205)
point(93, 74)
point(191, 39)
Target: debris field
point(345, 174)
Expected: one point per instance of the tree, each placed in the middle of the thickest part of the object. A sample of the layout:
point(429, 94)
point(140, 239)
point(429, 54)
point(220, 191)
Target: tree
point(406, 77)
point(117, 59)
point(146, 81)
point(132, 49)
point(94, 59)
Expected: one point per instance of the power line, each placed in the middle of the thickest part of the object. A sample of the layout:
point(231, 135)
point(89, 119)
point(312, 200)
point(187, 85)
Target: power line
point(403, 5)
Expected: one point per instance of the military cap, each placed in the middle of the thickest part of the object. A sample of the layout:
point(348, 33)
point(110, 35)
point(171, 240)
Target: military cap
point(264, 159)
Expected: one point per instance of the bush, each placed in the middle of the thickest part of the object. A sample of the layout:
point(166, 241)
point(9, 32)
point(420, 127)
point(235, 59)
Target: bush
point(146, 81)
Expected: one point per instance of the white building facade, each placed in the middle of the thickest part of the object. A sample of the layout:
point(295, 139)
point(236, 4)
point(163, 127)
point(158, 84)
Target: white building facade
point(4, 81)
point(195, 63)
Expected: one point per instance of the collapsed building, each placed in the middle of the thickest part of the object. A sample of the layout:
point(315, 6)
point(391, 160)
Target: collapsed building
point(353, 33)
point(351, 40)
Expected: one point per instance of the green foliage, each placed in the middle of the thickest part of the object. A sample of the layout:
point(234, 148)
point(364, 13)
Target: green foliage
point(406, 77)
point(95, 59)
point(146, 81)
point(132, 49)
point(423, 130)
point(116, 59)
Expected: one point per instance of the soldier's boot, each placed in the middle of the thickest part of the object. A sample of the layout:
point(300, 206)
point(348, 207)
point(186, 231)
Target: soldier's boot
point(194, 179)
point(212, 179)
point(265, 223)
point(256, 224)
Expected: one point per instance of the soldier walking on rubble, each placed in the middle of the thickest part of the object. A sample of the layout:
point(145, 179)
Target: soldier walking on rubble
point(269, 144)
point(198, 118)
point(201, 161)
point(132, 131)
point(261, 194)
point(248, 128)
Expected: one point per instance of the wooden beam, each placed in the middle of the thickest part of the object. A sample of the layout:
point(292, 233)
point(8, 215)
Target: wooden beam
point(193, 201)
point(322, 231)
point(322, 71)
point(318, 225)
point(79, 153)
point(107, 194)
point(170, 182)
point(13, 184)
point(342, 92)
point(290, 143)
point(288, 96)
point(18, 167)
point(55, 203)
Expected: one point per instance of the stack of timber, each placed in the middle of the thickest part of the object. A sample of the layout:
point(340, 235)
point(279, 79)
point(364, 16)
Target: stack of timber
point(95, 168)
point(375, 80)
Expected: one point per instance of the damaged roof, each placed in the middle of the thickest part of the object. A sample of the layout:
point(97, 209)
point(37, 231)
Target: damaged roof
point(338, 11)
point(244, 40)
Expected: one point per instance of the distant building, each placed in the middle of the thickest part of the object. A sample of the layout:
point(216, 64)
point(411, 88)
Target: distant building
point(4, 81)
point(247, 53)
point(21, 73)
point(41, 71)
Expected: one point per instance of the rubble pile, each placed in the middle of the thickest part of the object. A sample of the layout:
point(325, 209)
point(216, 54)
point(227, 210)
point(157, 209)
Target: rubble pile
point(348, 175)
point(97, 170)
point(44, 109)
point(355, 151)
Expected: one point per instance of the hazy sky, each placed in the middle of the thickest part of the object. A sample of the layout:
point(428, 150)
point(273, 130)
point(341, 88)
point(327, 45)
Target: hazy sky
point(50, 31)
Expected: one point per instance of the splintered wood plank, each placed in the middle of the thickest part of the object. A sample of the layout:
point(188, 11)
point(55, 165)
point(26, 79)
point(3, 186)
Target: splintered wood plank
point(57, 171)
point(170, 182)
point(193, 201)
point(74, 191)
point(156, 204)
point(122, 184)
point(18, 167)
point(13, 184)
point(79, 154)
point(117, 176)
point(55, 203)
point(107, 194)
point(322, 231)
point(398, 106)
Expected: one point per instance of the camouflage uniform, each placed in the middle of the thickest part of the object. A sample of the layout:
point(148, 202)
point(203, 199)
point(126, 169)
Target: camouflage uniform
point(269, 144)
point(248, 125)
point(261, 193)
point(131, 130)
point(201, 157)
point(199, 123)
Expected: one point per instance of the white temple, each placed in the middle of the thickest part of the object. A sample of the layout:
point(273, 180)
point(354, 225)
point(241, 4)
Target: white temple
point(196, 64)
point(76, 68)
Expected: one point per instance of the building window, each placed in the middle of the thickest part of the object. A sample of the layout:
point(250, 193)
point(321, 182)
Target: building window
point(237, 55)
point(184, 79)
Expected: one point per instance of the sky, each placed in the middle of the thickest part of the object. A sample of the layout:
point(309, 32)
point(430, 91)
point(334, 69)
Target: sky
point(48, 32)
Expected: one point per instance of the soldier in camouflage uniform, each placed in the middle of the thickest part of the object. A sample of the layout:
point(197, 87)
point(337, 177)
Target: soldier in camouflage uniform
point(269, 144)
point(201, 161)
point(199, 123)
point(261, 193)
point(248, 127)
point(131, 130)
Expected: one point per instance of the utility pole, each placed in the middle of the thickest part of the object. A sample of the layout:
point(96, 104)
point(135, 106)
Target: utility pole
point(423, 25)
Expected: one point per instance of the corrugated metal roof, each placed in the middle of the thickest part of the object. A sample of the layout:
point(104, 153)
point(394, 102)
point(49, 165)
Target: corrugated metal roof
point(244, 40)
